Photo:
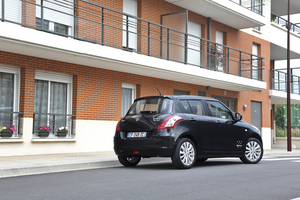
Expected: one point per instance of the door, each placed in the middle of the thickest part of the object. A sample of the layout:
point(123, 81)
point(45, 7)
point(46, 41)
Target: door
point(227, 132)
point(194, 49)
point(201, 125)
point(254, 70)
point(256, 114)
point(130, 36)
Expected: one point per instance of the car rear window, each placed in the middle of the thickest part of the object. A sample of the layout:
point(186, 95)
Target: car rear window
point(151, 106)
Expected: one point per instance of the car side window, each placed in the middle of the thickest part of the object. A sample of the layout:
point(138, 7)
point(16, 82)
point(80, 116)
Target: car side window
point(185, 107)
point(197, 107)
point(218, 110)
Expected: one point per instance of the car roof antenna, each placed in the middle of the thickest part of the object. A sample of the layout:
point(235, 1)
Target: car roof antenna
point(159, 92)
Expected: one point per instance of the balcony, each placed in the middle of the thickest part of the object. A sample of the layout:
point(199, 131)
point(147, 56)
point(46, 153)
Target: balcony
point(279, 46)
point(96, 29)
point(279, 87)
point(235, 13)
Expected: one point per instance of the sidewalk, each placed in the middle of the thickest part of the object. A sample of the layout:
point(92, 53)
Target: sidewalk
point(39, 164)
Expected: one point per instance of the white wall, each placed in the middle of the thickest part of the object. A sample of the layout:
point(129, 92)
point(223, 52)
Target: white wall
point(91, 136)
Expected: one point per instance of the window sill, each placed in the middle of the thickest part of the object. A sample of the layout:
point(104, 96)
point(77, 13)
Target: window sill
point(11, 140)
point(52, 139)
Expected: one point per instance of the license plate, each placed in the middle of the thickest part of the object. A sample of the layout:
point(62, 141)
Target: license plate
point(136, 134)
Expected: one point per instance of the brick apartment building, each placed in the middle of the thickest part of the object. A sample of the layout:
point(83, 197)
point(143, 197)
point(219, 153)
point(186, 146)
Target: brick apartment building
point(80, 64)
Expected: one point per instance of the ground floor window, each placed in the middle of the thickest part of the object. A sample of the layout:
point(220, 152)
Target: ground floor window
point(52, 102)
point(229, 102)
point(9, 98)
point(128, 96)
point(181, 92)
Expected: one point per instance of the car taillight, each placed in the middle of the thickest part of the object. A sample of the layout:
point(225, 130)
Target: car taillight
point(170, 122)
point(118, 126)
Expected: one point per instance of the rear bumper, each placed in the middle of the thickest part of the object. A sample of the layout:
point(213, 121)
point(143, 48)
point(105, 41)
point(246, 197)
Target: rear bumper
point(145, 147)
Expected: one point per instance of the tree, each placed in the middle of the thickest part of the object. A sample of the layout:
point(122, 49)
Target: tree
point(279, 115)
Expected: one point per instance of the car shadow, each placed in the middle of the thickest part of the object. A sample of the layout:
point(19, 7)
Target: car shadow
point(167, 165)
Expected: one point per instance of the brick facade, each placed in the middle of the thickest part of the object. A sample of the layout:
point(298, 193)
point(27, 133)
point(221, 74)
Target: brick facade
point(97, 92)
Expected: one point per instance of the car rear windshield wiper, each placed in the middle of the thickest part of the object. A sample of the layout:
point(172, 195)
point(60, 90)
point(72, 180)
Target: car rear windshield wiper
point(148, 112)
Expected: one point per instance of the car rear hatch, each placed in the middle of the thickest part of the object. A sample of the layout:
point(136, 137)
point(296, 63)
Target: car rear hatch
point(145, 115)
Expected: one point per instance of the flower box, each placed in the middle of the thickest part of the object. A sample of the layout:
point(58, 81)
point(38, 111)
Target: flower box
point(61, 133)
point(44, 134)
point(6, 134)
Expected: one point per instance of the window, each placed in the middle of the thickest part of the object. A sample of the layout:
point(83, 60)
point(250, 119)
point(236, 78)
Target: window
point(255, 61)
point(229, 102)
point(192, 107)
point(128, 96)
point(130, 40)
point(202, 93)
point(152, 106)
point(9, 96)
point(218, 110)
point(52, 26)
point(197, 107)
point(181, 92)
point(57, 16)
point(52, 100)
point(12, 10)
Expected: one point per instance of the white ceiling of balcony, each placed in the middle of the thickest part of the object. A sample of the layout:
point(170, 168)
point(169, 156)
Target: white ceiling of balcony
point(223, 11)
point(279, 97)
point(280, 7)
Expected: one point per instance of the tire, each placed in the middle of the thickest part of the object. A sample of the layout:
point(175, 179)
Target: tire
point(184, 155)
point(129, 161)
point(253, 151)
point(201, 159)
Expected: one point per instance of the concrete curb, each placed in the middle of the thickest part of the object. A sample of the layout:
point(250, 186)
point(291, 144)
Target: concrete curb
point(54, 168)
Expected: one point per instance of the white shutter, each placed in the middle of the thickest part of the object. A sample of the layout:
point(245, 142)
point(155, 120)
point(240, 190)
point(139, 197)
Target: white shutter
point(12, 10)
point(254, 61)
point(57, 11)
point(130, 7)
point(219, 49)
point(53, 76)
point(194, 43)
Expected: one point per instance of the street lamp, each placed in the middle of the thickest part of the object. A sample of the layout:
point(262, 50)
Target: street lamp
point(289, 135)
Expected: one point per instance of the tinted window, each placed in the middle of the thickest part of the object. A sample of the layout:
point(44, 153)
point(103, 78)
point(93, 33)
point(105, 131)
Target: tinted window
point(151, 105)
point(185, 107)
point(197, 107)
point(218, 110)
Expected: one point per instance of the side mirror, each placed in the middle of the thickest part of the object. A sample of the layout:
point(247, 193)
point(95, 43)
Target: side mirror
point(238, 117)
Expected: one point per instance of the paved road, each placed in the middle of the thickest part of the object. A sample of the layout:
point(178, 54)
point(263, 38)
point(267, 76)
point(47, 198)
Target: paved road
point(272, 178)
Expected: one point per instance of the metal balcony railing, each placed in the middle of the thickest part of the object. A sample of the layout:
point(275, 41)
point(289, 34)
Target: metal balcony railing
point(101, 25)
point(9, 119)
point(54, 121)
point(284, 23)
point(253, 5)
point(279, 81)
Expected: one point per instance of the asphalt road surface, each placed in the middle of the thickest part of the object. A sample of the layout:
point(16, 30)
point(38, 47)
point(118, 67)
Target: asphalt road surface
point(272, 178)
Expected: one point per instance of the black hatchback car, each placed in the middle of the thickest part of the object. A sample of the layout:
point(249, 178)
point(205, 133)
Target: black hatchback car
point(185, 128)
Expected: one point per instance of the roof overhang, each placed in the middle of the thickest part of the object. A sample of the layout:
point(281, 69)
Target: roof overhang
point(279, 97)
point(223, 11)
point(25, 41)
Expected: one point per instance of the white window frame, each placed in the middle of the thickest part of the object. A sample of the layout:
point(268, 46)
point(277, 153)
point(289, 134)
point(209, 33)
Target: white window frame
point(56, 77)
point(133, 88)
point(16, 71)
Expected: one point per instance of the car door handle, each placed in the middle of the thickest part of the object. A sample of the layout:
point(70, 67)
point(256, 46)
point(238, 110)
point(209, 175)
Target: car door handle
point(193, 120)
point(218, 122)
